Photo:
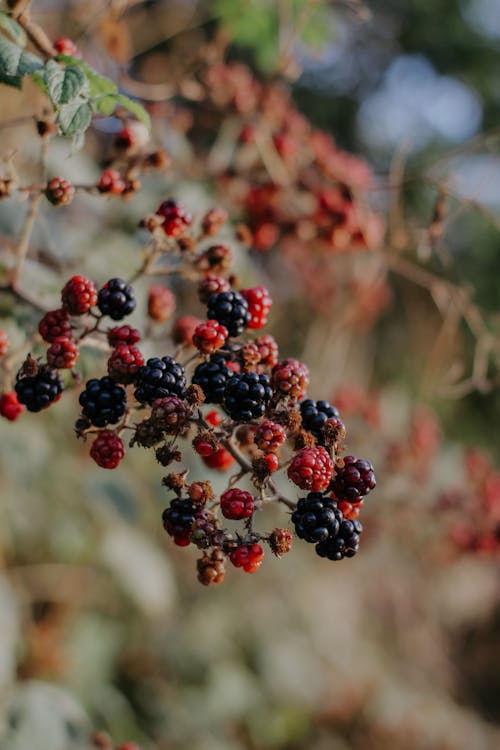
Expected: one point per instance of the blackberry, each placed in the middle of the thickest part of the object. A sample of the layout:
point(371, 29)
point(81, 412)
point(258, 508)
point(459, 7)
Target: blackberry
point(247, 395)
point(344, 544)
point(38, 391)
point(103, 401)
point(314, 415)
point(178, 520)
point(354, 480)
point(116, 299)
point(316, 518)
point(159, 378)
point(230, 309)
point(212, 377)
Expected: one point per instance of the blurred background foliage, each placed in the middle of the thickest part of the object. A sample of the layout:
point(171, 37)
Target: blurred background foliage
point(103, 624)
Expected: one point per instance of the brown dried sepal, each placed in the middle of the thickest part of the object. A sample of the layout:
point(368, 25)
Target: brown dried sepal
point(194, 395)
point(303, 439)
point(30, 367)
point(165, 455)
point(175, 482)
point(290, 419)
point(260, 471)
point(147, 434)
point(280, 541)
point(200, 493)
point(334, 432)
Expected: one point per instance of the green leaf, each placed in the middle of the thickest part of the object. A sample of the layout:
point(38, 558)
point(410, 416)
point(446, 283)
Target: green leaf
point(74, 117)
point(135, 108)
point(16, 63)
point(13, 29)
point(98, 84)
point(63, 84)
point(105, 104)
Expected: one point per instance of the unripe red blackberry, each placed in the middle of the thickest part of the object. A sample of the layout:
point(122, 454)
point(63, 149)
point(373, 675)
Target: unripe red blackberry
point(246, 396)
point(55, 324)
point(213, 418)
point(221, 460)
point(350, 511)
point(236, 504)
point(311, 469)
point(107, 450)
point(4, 343)
point(111, 182)
point(272, 462)
point(161, 303)
point(176, 219)
point(170, 413)
point(116, 299)
point(10, 408)
point(268, 349)
point(248, 556)
point(354, 479)
point(65, 46)
point(123, 335)
point(103, 401)
point(265, 235)
point(209, 336)
point(269, 436)
point(213, 221)
point(259, 304)
point(159, 377)
point(217, 258)
point(210, 285)
point(62, 353)
point(59, 192)
point(280, 541)
point(290, 378)
point(230, 310)
point(132, 137)
point(78, 295)
point(40, 390)
point(184, 328)
point(211, 568)
point(205, 444)
point(124, 363)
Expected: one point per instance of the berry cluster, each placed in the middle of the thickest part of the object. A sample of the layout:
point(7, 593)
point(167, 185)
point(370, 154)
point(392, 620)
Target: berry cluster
point(262, 423)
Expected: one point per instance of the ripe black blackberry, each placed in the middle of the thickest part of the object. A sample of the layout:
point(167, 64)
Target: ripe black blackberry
point(178, 520)
point(116, 299)
point(247, 395)
point(344, 544)
point(354, 480)
point(103, 401)
point(316, 518)
point(231, 310)
point(314, 415)
point(212, 377)
point(159, 378)
point(38, 391)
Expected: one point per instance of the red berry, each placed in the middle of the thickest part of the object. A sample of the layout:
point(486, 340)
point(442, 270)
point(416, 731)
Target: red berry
point(60, 192)
point(290, 378)
point(212, 284)
point(107, 450)
point(62, 353)
point(65, 46)
point(10, 408)
point(221, 460)
point(4, 343)
point(132, 137)
point(311, 469)
point(184, 328)
point(265, 236)
point(204, 447)
point(78, 295)
point(54, 324)
point(124, 362)
point(161, 303)
point(269, 436)
point(176, 218)
point(268, 349)
point(259, 304)
point(210, 336)
point(272, 461)
point(111, 181)
point(350, 511)
point(213, 418)
point(236, 504)
point(123, 335)
point(249, 557)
